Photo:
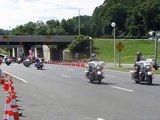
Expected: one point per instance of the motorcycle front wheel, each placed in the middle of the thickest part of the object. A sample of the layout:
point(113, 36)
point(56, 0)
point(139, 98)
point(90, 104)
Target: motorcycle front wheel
point(99, 79)
point(149, 80)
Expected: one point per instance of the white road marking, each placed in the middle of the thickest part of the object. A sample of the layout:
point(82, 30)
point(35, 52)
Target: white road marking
point(100, 119)
point(16, 77)
point(110, 76)
point(122, 89)
point(71, 69)
point(66, 76)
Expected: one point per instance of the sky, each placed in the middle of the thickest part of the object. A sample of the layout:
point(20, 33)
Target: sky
point(19, 12)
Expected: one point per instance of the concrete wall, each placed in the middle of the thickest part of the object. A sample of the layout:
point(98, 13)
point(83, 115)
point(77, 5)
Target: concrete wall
point(67, 55)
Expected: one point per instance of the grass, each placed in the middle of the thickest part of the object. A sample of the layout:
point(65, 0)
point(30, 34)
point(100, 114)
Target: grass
point(104, 48)
point(125, 69)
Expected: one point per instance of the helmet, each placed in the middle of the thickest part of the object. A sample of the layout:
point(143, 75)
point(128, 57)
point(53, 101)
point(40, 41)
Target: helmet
point(93, 55)
point(139, 53)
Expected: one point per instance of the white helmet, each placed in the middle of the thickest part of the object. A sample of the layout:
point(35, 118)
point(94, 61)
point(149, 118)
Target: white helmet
point(93, 55)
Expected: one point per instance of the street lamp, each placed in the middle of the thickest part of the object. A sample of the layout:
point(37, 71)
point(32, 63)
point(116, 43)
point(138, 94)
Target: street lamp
point(79, 23)
point(90, 38)
point(155, 35)
point(113, 24)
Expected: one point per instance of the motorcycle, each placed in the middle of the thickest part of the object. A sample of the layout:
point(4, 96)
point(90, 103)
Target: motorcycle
point(94, 71)
point(8, 61)
point(27, 63)
point(19, 60)
point(142, 72)
point(39, 64)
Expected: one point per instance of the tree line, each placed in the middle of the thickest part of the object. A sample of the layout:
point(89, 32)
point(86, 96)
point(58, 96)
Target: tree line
point(133, 18)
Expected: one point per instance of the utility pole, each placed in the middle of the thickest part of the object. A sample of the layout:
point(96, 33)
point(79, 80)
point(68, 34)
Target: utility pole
point(155, 35)
point(113, 24)
point(156, 48)
point(79, 24)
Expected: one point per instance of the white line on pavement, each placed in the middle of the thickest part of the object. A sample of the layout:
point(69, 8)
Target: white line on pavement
point(110, 76)
point(122, 88)
point(71, 69)
point(16, 77)
point(65, 76)
point(100, 119)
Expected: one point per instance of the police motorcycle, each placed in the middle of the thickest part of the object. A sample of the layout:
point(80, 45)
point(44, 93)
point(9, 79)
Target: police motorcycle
point(19, 60)
point(27, 62)
point(94, 71)
point(8, 61)
point(143, 71)
point(39, 64)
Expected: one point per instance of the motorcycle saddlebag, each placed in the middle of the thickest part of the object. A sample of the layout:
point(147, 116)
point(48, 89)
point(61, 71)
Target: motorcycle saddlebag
point(134, 75)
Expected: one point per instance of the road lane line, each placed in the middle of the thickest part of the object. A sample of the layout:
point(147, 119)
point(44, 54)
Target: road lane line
point(66, 76)
point(100, 119)
point(120, 88)
point(71, 69)
point(110, 76)
point(16, 77)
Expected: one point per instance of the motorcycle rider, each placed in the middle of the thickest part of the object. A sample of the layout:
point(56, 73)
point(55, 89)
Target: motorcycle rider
point(38, 60)
point(93, 57)
point(140, 66)
point(139, 56)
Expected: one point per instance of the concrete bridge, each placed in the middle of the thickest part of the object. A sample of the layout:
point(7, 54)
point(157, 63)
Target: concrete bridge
point(36, 44)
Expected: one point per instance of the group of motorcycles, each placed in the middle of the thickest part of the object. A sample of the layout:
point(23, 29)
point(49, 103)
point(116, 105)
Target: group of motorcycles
point(142, 71)
point(38, 63)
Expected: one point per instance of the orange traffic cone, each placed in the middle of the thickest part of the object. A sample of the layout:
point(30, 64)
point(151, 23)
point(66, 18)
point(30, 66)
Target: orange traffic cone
point(6, 85)
point(10, 115)
point(11, 82)
point(7, 108)
point(2, 80)
point(14, 108)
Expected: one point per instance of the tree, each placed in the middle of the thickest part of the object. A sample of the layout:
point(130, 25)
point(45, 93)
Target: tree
point(80, 44)
point(41, 28)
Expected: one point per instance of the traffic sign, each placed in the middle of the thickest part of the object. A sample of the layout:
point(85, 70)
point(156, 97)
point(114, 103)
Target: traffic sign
point(119, 46)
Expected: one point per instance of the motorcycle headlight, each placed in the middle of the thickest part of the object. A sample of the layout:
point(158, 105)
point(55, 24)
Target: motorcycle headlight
point(99, 72)
point(86, 71)
point(98, 68)
point(149, 73)
point(148, 67)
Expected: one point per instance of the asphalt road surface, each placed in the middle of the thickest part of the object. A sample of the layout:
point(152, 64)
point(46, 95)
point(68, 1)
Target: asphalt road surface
point(63, 93)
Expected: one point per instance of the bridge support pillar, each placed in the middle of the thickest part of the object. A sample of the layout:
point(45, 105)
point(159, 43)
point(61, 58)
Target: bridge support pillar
point(46, 53)
point(20, 52)
point(14, 52)
point(35, 51)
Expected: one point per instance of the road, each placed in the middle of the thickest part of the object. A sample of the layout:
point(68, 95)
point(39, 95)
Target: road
point(63, 93)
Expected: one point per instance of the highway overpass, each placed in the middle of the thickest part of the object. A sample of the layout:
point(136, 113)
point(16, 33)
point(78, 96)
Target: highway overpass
point(36, 43)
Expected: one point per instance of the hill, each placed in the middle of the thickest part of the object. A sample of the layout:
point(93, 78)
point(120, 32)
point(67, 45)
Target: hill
point(104, 48)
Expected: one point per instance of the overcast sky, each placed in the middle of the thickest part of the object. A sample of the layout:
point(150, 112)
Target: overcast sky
point(18, 12)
